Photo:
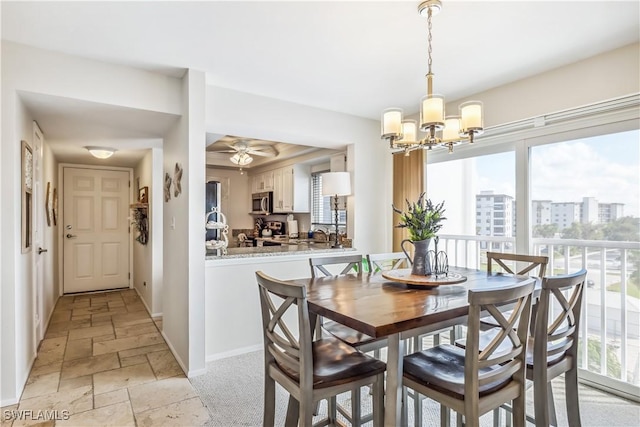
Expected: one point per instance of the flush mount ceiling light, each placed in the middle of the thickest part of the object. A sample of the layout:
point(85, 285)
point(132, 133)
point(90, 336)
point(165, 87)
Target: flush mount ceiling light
point(241, 159)
point(101, 152)
point(403, 134)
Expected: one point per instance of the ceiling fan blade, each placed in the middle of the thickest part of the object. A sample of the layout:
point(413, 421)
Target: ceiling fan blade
point(263, 150)
point(222, 151)
point(261, 153)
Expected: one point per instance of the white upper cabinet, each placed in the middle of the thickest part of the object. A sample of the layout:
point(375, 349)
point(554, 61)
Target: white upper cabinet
point(291, 189)
point(262, 182)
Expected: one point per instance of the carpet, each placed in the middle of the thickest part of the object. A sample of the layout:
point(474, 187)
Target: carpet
point(232, 392)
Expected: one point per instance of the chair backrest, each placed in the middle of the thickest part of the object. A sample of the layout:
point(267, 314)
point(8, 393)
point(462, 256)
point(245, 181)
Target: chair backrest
point(504, 356)
point(292, 354)
point(532, 260)
point(387, 261)
point(556, 330)
point(353, 264)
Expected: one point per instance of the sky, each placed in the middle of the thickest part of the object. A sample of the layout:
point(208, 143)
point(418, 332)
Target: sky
point(605, 167)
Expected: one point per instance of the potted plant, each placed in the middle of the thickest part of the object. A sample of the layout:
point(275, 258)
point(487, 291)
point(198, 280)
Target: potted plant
point(423, 219)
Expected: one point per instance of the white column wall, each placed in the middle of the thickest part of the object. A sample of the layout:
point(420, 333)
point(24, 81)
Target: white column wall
point(184, 252)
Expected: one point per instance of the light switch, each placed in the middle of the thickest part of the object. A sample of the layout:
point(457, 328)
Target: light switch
point(173, 222)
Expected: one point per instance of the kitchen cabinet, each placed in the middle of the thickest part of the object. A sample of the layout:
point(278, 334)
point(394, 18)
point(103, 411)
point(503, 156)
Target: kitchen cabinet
point(262, 182)
point(291, 189)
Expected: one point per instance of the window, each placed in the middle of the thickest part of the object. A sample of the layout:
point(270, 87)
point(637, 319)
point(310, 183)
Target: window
point(322, 209)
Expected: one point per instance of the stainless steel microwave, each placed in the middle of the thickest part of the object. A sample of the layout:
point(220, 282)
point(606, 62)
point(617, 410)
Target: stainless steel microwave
point(262, 203)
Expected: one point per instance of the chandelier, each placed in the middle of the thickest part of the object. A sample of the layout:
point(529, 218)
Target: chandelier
point(440, 129)
point(241, 159)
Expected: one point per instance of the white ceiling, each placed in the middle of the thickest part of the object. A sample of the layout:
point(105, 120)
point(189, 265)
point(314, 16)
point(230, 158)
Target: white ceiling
point(355, 57)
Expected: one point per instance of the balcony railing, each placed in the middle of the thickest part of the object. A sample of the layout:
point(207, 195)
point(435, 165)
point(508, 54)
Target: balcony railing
point(609, 357)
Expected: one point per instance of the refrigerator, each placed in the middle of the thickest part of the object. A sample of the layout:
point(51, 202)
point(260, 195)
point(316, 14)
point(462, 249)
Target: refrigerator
point(212, 200)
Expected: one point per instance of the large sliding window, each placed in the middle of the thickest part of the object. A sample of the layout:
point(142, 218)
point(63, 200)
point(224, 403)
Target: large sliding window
point(569, 189)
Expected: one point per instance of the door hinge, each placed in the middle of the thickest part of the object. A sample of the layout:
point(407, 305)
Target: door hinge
point(129, 183)
point(129, 276)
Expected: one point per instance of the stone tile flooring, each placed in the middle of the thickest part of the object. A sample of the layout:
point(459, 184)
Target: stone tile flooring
point(104, 361)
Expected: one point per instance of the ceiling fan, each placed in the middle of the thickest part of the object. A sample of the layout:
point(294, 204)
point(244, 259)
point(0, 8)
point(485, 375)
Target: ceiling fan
point(244, 146)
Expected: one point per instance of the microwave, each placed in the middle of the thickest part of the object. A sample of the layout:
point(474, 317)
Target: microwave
point(262, 203)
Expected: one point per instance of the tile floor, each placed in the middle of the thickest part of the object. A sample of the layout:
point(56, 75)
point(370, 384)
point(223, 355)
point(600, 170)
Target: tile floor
point(104, 361)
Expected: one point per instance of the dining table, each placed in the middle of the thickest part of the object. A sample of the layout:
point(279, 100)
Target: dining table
point(382, 308)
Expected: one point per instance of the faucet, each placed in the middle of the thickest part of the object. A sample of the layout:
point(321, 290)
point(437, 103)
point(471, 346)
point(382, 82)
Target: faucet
point(320, 233)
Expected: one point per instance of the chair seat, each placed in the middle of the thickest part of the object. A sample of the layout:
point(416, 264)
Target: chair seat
point(347, 334)
point(504, 347)
point(335, 363)
point(442, 368)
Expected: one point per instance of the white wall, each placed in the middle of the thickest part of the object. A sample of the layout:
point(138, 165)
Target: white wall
point(37, 71)
point(183, 289)
point(142, 254)
point(607, 76)
point(50, 238)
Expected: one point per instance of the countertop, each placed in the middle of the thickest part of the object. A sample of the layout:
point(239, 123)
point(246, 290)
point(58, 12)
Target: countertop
point(303, 247)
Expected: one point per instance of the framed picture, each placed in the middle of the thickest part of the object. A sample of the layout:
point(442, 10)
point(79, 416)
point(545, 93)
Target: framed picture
point(47, 204)
point(27, 192)
point(54, 207)
point(143, 195)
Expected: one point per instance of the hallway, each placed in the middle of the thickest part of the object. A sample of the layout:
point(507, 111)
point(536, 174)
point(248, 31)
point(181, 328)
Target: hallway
point(104, 362)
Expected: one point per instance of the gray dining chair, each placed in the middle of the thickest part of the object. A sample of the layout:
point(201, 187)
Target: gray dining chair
point(473, 382)
point(308, 370)
point(553, 347)
point(387, 261)
point(326, 266)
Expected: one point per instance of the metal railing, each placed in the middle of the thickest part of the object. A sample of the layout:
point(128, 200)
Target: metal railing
point(609, 353)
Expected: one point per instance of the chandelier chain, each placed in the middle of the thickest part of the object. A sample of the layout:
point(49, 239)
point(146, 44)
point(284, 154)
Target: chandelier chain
point(429, 38)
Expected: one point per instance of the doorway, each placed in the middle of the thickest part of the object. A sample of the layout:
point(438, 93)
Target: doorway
point(96, 229)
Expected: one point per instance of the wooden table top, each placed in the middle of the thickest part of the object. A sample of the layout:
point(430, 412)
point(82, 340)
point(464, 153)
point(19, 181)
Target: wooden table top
point(371, 304)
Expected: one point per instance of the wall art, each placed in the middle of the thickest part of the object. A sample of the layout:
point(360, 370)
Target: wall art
point(177, 178)
point(27, 192)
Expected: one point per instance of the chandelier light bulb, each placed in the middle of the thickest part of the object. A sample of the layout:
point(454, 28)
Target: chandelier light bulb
point(450, 130)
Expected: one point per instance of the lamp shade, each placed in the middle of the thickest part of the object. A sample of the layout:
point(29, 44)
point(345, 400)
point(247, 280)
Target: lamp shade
point(101, 152)
point(336, 184)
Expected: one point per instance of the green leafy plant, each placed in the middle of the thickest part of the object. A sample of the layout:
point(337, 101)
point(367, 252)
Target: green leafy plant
point(422, 218)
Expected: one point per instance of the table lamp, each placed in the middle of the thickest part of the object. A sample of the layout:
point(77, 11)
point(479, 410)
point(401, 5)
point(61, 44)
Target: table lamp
point(336, 184)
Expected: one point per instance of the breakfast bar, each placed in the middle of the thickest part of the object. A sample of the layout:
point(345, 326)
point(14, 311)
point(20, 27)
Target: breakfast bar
point(232, 315)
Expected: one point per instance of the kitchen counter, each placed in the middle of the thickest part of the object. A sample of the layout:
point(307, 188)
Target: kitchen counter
point(286, 248)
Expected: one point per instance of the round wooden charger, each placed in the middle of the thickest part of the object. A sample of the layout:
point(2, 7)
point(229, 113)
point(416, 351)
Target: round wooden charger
point(404, 275)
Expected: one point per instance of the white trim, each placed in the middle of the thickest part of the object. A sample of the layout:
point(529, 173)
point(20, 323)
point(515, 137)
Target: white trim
point(236, 352)
point(585, 119)
point(153, 315)
point(9, 402)
point(609, 385)
point(175, 353)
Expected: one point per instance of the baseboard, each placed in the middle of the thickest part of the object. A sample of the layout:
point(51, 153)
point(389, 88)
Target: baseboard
point(9, 402)
point(231, 353)
point(175, 353)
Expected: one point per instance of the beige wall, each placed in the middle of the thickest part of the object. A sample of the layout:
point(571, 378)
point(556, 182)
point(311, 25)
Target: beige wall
point(607, 76)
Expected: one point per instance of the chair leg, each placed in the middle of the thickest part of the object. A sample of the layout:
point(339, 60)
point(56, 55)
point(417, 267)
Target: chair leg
point(552, 406)
point(417, 409)
point(518, 411)
point(306, 410)
point(496, 417)
point(268, 416)
point(356, 400)
point(332, 410)
point(293, 410)
point(540, 402)
point(378, 401)
point(572, 401)
point(445, 416)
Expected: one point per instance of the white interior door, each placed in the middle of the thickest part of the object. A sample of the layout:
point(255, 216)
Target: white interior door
point(96, 229)
point(38, 234)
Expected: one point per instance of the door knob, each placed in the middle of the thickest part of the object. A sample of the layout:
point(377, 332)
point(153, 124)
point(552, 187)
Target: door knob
point(40, 250)
point(70, 236)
